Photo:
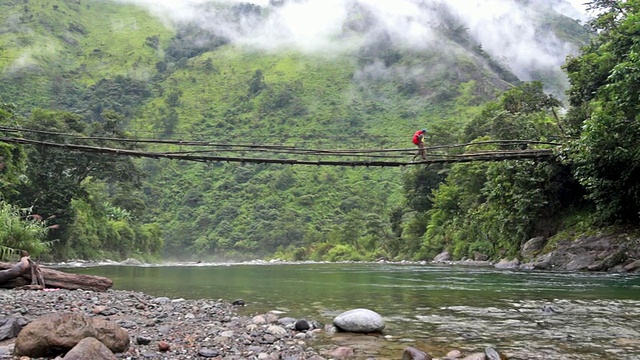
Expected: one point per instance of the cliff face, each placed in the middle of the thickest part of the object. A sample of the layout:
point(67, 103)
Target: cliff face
point(612, 251)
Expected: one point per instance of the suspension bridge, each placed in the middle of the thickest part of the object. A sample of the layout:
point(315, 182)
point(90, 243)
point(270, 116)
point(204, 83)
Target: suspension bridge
point(206, 151)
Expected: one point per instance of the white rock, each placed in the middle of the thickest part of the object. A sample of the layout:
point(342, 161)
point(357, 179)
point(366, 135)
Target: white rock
point(359, 320)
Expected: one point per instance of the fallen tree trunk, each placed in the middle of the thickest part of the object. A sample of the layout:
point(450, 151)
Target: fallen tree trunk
point(17, 275)
point(14, 271)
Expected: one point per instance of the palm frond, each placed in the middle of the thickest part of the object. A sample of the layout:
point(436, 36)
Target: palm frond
point(9, 254)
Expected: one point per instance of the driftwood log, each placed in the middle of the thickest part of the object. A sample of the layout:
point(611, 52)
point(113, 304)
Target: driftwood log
point(26, 274)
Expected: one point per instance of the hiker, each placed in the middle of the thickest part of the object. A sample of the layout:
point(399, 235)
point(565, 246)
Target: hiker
point(419, 139)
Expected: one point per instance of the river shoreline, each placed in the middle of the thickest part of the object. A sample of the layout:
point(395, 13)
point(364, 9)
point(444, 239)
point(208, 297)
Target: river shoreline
point(433, 308)
point(179, 329)
point(135, 262)
point(192, 329)
point(607, 251)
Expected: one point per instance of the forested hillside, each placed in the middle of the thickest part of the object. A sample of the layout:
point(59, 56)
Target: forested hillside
point(119, 70)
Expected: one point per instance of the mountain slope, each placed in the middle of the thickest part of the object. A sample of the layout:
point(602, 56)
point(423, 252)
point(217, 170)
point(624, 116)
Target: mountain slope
point(48, 47)
point(194, 81)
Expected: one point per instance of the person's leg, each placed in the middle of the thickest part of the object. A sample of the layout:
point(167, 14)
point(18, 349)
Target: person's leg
point(419, 153)
point(422, 151)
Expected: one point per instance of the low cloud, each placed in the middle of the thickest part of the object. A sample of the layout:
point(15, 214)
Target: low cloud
point(30, 60)
point(504, 28)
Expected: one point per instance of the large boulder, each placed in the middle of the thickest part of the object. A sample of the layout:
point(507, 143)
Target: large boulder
point(580, 262)
point(442, 257)
point(111, 334)
point(634, 266)
point(533, 247)
point(600, 252)
point(54, 334)
point(360, 321)
point(90, 348)
point(478, 256)
point(507, 264)
point(412, 353)
point(10, 326)
point(493, 354)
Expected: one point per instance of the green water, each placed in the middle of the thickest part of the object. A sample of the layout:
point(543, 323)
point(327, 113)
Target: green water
point(436, 308)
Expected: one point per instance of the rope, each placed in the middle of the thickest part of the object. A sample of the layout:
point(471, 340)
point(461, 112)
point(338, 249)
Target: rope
point(277, 148)
point(432, 158)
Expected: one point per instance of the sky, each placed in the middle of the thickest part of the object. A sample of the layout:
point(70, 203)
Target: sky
point(579, 4)
point(502, 27)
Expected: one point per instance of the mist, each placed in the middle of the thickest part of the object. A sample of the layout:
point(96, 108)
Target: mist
point(506, 29)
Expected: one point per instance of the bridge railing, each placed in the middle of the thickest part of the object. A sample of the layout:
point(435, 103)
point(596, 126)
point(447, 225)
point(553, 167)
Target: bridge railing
point(211, 151)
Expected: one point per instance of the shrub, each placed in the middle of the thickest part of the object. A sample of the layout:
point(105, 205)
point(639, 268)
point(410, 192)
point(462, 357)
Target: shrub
point(21, 230)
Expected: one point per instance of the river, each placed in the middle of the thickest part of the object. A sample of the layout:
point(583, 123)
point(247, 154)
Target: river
point(525, 314)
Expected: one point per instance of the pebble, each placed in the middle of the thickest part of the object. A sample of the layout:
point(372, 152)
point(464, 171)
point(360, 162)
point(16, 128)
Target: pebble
point(164, 328)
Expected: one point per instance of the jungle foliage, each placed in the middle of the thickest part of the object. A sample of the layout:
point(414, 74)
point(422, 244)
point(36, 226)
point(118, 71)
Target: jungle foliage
point(118, 72)
point(604, 113)
point(76, 193)
point(20, 232)
point(491, 209)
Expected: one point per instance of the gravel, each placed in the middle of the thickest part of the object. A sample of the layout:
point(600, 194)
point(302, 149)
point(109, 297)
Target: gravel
point(163, 328)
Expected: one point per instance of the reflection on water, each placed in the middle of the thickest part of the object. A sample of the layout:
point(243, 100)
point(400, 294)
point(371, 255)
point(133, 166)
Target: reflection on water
point(528, 315)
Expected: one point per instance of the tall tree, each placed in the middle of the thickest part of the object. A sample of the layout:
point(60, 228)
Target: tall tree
point(11, 156)
point(56, 175)
point(605, 88)
point(492, 208)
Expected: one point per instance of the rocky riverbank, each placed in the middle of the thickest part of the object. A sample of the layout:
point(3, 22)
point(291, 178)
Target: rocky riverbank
point(163, 328)
point(607, 251)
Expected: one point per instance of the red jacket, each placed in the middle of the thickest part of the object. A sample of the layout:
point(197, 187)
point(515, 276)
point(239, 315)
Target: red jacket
point(417, 137)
